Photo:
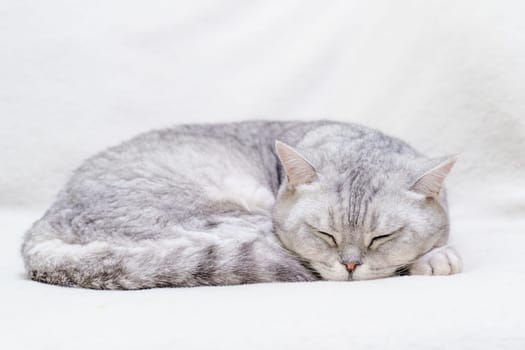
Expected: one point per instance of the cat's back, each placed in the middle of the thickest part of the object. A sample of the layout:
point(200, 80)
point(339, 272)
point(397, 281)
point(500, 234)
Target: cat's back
point(178, 172)
point(200, 153)
point(191, 151)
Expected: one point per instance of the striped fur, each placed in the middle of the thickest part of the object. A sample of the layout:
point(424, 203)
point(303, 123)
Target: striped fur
point(211, 205)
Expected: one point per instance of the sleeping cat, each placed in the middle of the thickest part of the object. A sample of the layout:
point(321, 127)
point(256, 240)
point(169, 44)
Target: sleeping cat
point(245, 203)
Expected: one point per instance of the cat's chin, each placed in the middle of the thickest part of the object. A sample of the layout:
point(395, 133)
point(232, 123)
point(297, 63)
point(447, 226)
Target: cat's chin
point(334, 272)
point(364, 272)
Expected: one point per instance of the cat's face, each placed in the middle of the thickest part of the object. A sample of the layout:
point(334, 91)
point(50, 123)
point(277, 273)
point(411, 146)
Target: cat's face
point(362, 231)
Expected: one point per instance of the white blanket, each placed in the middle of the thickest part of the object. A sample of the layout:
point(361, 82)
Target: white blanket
point(447, 76)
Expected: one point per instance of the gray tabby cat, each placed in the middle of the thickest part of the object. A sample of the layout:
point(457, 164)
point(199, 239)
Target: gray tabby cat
point(227, 204)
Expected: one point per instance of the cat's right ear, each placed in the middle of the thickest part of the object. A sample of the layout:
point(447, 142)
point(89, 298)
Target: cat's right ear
point(298, 170)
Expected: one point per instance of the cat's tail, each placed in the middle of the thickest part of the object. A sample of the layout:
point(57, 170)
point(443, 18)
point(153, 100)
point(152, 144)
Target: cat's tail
point(49, 258)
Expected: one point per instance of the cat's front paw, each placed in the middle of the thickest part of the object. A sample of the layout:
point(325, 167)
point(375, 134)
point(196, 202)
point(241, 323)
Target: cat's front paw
point(439, 261)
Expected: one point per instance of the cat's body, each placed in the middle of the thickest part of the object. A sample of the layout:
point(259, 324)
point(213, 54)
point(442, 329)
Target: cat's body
point(213, 205)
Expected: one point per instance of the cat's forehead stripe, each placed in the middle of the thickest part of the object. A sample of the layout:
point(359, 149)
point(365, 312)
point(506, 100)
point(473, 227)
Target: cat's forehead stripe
point(355, 182)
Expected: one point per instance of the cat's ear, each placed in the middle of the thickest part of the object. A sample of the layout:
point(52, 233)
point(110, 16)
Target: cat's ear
point(431, 182)
point(298, 170)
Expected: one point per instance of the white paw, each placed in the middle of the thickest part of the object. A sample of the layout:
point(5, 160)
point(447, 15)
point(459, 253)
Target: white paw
point(438, 261)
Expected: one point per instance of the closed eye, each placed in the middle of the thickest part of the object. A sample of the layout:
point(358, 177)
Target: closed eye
point(377, 240)
point(329, 236)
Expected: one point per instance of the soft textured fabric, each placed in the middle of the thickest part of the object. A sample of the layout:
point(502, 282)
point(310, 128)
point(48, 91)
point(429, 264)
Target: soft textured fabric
point(446, 76)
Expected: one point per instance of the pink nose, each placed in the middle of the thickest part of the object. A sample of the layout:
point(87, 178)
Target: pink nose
point(351, 265)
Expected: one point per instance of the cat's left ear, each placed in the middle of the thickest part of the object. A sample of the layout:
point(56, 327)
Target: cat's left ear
point(431, 182)
point(298, 170)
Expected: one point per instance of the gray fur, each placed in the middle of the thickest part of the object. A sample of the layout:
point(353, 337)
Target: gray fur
point(213, 205)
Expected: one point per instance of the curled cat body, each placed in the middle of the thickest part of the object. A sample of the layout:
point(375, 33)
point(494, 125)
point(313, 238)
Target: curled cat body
point(246, 202)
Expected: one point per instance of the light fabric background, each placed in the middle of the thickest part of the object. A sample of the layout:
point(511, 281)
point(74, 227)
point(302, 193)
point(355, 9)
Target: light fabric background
point(447, 76)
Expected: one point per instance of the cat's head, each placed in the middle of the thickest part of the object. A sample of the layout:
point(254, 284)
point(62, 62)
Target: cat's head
point(354, 225)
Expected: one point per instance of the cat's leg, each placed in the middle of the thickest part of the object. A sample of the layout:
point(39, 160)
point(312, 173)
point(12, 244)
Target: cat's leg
point(439, 261)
